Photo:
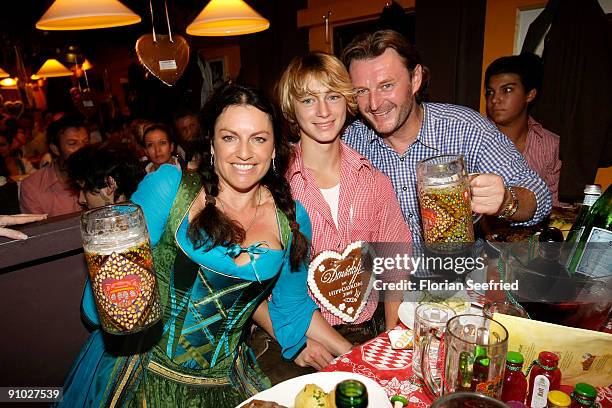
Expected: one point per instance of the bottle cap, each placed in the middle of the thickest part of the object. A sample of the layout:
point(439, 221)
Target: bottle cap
point(548, 358)
point(585, 390)
point(514, 357)
point(559, 398)
point(592, 189)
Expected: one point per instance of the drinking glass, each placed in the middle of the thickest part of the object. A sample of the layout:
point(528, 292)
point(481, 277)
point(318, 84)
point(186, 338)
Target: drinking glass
point(445, 202)
point(429, 320)
point(474, 353)
point(467, 399)
point(120, 264)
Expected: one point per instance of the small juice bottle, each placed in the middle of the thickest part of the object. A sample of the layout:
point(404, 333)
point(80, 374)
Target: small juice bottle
point(545, 376)
point(515, 383)
point(584, 396)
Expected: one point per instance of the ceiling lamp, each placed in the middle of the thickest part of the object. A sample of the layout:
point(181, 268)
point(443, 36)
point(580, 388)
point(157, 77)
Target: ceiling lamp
point(84, 15)
point(3, 73)
point(227, 17)
point(53, 68)
point(8, 82)
point(86, 65)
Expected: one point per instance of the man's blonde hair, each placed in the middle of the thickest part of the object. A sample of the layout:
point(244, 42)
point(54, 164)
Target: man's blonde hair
point(326, 69)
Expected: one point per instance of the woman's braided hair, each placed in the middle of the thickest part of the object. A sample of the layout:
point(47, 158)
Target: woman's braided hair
point(212, 227)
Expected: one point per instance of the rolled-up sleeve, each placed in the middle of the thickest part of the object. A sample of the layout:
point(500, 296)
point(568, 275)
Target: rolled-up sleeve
point(290, 307)
point(498, 155)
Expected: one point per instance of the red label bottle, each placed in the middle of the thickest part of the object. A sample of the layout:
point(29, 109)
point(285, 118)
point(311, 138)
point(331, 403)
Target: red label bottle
point(515, 383)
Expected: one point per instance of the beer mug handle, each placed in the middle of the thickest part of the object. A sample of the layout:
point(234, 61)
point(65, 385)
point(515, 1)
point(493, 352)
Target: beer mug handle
point(435, 385)
point(475, 216)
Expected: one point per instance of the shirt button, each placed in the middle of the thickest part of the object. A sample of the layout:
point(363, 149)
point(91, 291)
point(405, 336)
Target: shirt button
point(410, 215)
point(404, 188)
point(402, 158)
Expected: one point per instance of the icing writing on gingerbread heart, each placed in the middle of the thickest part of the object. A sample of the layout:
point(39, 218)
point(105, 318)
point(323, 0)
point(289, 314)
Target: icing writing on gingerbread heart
point(340, 283)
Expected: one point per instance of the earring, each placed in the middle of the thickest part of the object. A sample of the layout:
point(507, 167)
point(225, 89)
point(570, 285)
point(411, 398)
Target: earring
point(273, 166)
point(212, 160)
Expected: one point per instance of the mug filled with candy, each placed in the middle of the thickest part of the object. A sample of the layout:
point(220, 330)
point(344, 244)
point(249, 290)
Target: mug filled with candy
point(445, 203)
point(120, 264)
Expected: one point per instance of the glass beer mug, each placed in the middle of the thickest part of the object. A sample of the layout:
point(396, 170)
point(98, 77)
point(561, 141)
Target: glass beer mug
point(473, 357)
point(445, 203)
point(120, 263)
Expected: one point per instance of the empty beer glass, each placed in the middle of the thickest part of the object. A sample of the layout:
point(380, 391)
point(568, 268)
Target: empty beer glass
point(120, 263)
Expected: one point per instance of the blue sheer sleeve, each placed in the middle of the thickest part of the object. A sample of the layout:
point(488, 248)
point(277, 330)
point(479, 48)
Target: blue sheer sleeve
point(291, 307)
point(155, 195)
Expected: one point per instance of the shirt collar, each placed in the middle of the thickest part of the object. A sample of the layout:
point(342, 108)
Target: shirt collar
point(348, 157)
point(426, 135)
point(534, 127)
point(49, 177)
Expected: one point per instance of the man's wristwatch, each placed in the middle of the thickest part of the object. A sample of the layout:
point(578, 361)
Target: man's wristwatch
point(511, 207)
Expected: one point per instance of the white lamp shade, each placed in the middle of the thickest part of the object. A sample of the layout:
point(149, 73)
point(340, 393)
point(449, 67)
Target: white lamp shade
point(3, 73)
point(227, 17)
point(53, 68)
point(86, 14)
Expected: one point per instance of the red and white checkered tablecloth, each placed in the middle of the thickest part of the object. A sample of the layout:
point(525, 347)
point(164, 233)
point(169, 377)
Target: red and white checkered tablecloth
point(392, 369)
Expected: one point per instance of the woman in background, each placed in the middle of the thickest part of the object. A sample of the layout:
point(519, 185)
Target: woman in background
point(158, 142)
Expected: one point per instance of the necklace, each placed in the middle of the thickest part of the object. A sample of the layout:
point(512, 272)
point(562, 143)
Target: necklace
point(254, 215)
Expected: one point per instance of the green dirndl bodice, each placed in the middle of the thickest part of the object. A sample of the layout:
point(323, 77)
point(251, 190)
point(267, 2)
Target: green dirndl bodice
point(201, 359)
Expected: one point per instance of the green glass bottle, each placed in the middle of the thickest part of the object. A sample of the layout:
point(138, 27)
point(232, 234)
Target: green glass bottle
point(591, 193)
point(591, 253)
point(351, 394)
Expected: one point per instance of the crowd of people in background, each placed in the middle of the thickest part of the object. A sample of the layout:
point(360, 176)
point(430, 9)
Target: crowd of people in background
point(362, 128)
point(35, 147)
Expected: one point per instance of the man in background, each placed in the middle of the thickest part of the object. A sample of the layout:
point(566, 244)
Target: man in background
point(511, 86)
point(48, 191)
point(187, 127)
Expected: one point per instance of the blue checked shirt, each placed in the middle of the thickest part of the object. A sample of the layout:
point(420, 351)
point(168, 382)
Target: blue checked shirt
point(448, 129)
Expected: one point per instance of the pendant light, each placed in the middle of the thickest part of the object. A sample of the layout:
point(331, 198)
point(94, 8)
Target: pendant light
point(53, 68)
point(86, 14)
point(227, 17)
point(3, 73)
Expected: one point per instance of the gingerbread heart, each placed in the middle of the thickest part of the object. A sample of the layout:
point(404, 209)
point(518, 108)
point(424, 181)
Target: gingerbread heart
point(126, 293)
point(165, 59)
point(14, 108)
point(340, 283)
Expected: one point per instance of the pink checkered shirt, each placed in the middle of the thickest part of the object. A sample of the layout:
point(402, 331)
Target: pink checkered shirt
point(542, 155)
point(368, 210)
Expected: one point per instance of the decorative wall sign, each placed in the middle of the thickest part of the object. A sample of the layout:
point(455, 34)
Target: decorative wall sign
point(340, 282)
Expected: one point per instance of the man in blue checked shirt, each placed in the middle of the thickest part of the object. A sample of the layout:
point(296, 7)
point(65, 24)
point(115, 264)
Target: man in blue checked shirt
point(397, 130)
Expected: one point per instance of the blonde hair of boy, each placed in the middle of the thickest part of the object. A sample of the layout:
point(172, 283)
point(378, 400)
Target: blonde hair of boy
point(325, 68)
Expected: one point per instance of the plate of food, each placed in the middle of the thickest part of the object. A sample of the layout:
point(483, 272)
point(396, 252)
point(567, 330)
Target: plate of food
point(314, 390)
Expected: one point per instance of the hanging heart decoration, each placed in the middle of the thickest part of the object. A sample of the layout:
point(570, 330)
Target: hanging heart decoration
point(14, 108)
point(164, 56)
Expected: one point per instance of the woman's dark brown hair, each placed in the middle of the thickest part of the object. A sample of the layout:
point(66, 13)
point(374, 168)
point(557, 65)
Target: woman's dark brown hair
point(211, 227)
